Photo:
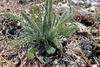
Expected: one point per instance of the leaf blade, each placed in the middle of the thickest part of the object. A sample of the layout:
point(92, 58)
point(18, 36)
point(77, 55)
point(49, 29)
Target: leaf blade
point(49, 49)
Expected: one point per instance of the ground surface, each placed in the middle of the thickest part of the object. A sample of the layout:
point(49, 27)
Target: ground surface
point(78, 49)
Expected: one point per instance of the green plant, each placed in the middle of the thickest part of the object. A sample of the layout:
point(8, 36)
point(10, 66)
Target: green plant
point(42, 32)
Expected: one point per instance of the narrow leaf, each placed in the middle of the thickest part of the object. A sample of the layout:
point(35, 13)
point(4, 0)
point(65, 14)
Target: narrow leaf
point(50, 13)
point(63, 15)
point(19, 42)
point(39, 12)
point(68, 31)
point(29, 21)
point(33, 43)
point(30, 55)
point(57, 43)
point(53, 24)
point(70, 8)
point(31, 52)
point(49, 49)
point(17, 18)
point(65, 20)
point(45, 23)
point(65, 28)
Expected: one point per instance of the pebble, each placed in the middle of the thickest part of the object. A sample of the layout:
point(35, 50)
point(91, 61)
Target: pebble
point(95, 65)
point(56, 61)
point(87, 4)
point(99, 56)
point(92, 9)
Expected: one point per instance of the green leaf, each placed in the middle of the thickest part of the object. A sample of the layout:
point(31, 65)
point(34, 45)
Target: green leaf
point(65, 28)
point(29, 21)
point(70, 8)
point(50, 12)
point(68, 31)
point(33, 43)
point(25, 26)
point(63, 15)
point(54, 21)
point(37, 19)
point(23, 34)
point(32, 14)
point(30, 55)
point(17, 18)
point(19, 42)
point(45, 22)
point(29, 30)
point(53, 26)
point(39, 16)
point(31, 52)
point(57, 43)
point(65, 20)
point(53, 33)
point(57, 22)
point(49, 49)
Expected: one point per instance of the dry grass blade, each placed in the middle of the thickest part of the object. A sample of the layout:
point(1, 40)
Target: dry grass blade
point(97, 50)
point(97, 41)
point(98, 36)
point(96, 44)
point(6, 60)
point(86, 59)
point(1, 64)
point(96, 60)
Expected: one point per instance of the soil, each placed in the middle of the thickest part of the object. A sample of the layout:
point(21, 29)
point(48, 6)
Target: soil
point(81, 49)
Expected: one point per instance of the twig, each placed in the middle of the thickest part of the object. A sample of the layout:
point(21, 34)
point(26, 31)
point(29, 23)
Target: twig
point(95, 58)
point(1, 64)
point(92, 27)
point(5, 60)
point(97, 41)
point(86, 59)
point(97, 50)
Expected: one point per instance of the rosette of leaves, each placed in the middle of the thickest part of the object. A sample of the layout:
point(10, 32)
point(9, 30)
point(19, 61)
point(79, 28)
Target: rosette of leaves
point(43, 29)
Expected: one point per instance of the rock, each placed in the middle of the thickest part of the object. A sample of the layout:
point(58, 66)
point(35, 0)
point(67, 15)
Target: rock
point(87, 4)
point(99, 56)
point(92, 9)
point(56, 62)
point(95, 65)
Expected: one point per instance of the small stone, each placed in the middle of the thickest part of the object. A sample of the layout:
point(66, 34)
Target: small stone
point(95, 65)
point(99, 56)
point(87, 4)
point(59, 4)
point(92, 9)
point(55, 61)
